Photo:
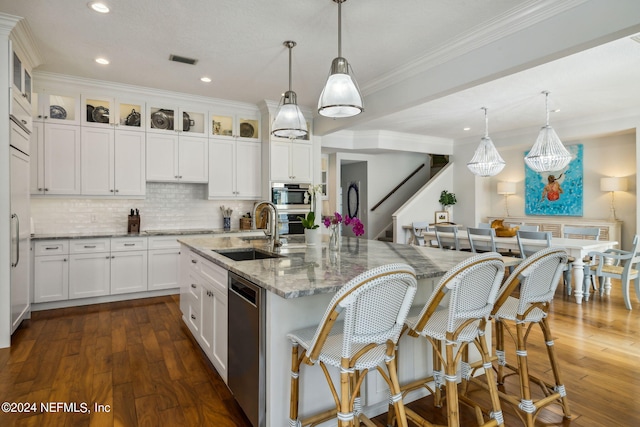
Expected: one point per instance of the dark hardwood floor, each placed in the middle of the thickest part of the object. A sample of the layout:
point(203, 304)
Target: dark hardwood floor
point(138, 358)
point(135, 356)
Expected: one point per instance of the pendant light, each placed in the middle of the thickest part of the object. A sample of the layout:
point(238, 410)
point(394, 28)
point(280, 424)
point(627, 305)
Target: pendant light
point(547, 154)
point(340, 96)
point(486, 161)
point(289, 121)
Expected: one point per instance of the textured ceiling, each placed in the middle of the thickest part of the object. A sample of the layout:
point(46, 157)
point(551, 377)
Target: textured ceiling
point(239, 46)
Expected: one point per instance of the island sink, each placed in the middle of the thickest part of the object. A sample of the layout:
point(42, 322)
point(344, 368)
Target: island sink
point(247, 254)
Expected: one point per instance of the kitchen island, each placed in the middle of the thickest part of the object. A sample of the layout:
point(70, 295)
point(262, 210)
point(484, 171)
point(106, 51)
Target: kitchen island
point(299, 283)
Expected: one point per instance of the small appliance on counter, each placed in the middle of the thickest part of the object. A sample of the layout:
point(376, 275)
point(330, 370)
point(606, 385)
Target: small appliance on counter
point(133, 225)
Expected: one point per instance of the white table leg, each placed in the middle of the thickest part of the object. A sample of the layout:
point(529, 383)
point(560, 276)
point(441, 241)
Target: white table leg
point(578, 277)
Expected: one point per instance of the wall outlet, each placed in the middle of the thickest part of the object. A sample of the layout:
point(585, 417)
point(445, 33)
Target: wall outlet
point(94, 218)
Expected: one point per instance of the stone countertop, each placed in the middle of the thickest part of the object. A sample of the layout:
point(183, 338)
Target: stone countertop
point(307, 270)
point(144, 233)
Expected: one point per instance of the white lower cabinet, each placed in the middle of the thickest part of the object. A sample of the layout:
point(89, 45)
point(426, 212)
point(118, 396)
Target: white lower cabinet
point(128, 265)
point(163, 263)
point(85, 268)
point(50, 271)
point(203, 301)
point(89, 275)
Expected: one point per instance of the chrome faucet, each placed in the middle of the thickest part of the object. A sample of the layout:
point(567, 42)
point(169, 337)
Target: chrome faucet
point(272, 221)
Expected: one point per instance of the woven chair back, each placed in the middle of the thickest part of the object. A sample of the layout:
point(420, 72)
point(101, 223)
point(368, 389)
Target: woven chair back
point(538, 277)
point(374, 306)
point(468, 291)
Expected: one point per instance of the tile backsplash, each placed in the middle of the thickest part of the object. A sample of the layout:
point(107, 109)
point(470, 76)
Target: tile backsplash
point(166, 206)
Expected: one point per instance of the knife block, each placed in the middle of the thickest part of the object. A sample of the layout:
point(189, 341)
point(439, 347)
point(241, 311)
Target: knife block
point(133, 225)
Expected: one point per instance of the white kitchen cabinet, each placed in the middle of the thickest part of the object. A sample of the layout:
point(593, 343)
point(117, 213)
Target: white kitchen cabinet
point(166, 118)
point(291, 161)
point(50, 271)
point(107, 112)
point(89, 275)
point(203, 301)
point(55, 159)
point(113, 162)
point(128, 272)
point(128, 265)
point(163, 263)
point(214, 312)
point(234, 169)
point(89, 267)
point(56, 107)
point(21, 90)
point(236, 125)
point(177, 158)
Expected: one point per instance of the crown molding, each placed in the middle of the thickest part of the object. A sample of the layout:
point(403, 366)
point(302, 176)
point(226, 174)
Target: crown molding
point(505, 24)
point(23, 38)
point(7, 23)
point(44, 78)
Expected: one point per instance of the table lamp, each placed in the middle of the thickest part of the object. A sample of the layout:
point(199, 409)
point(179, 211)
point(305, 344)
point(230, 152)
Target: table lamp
point(506, 188)
point(613, 184)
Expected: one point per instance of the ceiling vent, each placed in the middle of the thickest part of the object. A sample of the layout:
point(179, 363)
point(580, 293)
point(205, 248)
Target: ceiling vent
point(183, 59)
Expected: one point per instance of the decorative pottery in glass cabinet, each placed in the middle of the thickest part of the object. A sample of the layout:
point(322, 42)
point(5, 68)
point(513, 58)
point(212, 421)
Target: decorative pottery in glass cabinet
point(169, 118)
point(236, 126)
point(106, 111)
point(56, 108)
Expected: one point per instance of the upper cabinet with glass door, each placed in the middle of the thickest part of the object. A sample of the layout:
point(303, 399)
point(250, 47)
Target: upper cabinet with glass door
point(101, 111)
point(54, 107)
point(20, 107)
point(244, 125)
point(163, 118)
point(21, 82)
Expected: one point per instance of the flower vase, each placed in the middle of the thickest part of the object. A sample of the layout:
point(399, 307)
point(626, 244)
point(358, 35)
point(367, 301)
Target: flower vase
point(334, 237)
point(312, 236)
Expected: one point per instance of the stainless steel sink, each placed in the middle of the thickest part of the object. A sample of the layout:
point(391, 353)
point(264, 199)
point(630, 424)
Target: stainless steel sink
point(246, 254)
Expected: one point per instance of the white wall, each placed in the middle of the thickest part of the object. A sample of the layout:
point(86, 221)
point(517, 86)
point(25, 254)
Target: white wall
point(384, 172)
point(166, 206)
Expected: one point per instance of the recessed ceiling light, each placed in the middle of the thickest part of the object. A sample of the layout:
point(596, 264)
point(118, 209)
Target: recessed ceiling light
point(102, 61)
point(99, 7)
point(466, 128)
point(205, 79)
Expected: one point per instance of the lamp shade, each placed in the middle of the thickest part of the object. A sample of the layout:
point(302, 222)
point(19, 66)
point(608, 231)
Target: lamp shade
point(547, 154)
point(486, 160)
point(505, 187)
point(613, 184)
point(289, 121)
point(340, 96)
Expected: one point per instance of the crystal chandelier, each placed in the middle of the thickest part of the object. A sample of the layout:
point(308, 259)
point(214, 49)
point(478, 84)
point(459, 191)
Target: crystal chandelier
point(340, 96)
point(547, 154)
point(289, 121)
point(486, 161)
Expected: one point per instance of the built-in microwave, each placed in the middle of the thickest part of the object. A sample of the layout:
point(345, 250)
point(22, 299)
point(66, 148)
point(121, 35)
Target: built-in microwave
point(289, 197)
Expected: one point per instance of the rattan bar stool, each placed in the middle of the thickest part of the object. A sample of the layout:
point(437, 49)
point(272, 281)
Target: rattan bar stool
point(538, 276)
point(455, 316)
point(358, 332)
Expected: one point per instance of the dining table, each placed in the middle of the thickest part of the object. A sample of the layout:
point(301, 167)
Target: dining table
point(576, 248)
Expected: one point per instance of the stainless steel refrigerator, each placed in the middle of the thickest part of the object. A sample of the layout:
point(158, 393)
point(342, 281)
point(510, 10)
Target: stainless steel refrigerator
point(20, 225)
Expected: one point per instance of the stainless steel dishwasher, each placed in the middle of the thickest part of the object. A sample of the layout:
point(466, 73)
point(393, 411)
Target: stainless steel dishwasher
point(246, 358)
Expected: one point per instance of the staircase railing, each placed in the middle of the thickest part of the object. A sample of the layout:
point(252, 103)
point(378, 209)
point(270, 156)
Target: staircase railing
point(404, 181)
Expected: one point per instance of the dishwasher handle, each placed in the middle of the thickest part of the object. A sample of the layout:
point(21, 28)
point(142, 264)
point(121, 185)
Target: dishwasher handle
point(245, 291)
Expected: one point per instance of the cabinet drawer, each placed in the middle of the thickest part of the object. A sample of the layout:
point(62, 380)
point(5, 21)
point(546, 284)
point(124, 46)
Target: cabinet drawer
point(165, 242)
point(89, 246)
point(215, 275)
point(128, 244)
point(51, 247)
